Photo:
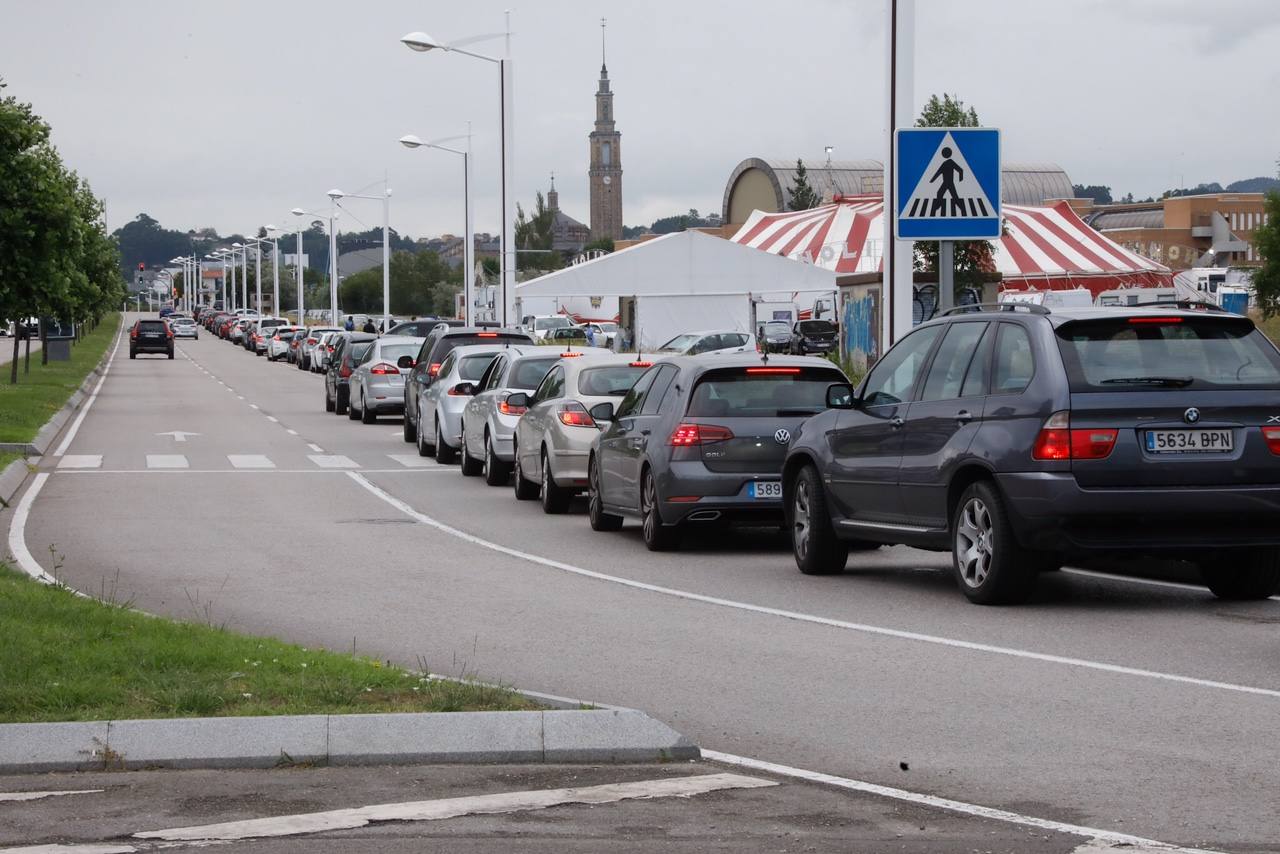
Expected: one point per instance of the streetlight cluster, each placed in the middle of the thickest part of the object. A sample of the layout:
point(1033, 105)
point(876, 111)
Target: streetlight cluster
point(420, 42)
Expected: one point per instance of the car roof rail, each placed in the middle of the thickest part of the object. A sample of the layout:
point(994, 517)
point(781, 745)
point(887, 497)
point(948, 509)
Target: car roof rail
point(1031, 307)
point(1188, 304)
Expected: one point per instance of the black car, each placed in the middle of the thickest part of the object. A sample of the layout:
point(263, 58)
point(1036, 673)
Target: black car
point(773, 336)
point(438, 344)
point(150, 336)
point(349, 347)
point(813, 336)
point(702, 439)
point(1022, 438)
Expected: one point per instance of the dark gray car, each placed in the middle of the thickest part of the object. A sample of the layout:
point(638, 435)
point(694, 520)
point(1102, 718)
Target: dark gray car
point(1020, 438)
point(348, 348)
point(702, 439)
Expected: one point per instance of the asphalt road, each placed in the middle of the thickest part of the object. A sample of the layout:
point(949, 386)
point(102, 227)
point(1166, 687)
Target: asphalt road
point(1142, 708)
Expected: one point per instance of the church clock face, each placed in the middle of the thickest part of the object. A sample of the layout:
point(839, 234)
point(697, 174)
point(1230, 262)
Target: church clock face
point(608, 180)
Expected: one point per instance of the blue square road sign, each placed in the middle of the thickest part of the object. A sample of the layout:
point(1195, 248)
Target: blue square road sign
point(947, 183)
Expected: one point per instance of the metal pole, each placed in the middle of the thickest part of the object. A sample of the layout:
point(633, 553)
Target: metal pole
point(244, 277)
point(469, 250)
point(257, 277)
point(225, 306)
point(386, 258)
point(275, 277)
point(896, 305)
point(946, 275)
point(333, 265)
point(508, 180)
point(232, 267)
point(297, 274)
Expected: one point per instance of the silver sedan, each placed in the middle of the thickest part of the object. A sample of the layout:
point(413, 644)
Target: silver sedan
point(553, 439)
point(440, 405)
point(488, 422)
point(377, 382)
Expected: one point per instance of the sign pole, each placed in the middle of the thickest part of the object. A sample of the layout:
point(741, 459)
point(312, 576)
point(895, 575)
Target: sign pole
point(946, 275)
point(895, 310)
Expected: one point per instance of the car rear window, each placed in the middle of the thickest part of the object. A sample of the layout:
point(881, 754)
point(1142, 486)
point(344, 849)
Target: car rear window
point(472, 367)
point(611, 380)
point(1153, 352)
point(528, 373)
point(764, 391)
point(393, 351)
point(358, 350)
point(446, 344)
point(151, 326)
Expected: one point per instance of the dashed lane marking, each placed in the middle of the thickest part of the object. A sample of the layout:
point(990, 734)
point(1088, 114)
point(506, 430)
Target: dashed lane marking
point(81, 461)
point(414, 461)
point(167, 461)
point(291, 431)
point(333, 461)
point(35, 796)
point(250, 461)
point(315, 449)
point(273, 419)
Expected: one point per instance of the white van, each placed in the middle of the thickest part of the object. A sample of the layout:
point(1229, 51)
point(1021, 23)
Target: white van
point(1073, 298)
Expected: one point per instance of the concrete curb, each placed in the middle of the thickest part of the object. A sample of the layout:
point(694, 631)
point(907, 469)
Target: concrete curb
point(615, 735)
point(11, 480)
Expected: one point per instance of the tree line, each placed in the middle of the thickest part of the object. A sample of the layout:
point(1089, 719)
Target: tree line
point(56, 258)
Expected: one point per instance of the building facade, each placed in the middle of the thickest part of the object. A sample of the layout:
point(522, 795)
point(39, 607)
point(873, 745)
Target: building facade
point(605, 173)
point(1181, 232)
point(567, 234)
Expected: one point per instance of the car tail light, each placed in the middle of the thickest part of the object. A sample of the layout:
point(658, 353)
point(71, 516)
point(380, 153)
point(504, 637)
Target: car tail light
point(773, 370)
point(639, 364)
point(569, 354)
point(329, 347)
point(168, 330)
point(1272, 435)
point(1155, 320)
point(434, 369)
point(275, 337)
point(1057, 441)
point(507, 409)
point(344, 370)
point(133, 332)
point(486, 335)
point(312, 341)
point(382, 369)
point(575, 415)
point(699, 434)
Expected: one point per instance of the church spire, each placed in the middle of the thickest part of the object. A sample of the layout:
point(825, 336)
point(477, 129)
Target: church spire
point(604, 66)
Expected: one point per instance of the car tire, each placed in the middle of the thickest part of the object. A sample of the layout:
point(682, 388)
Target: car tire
point(444, 454)
point(817, 549)
point(658, 536)
point(425, 449)
point(555, 499)
point(170, 354)
point(525, 489)
point(131, 355)
point(989, 565)
point(408, 431)
point(339, 407)
point(367, 415)
point(352, 413)
point(1243, 576)
point(328, 402)
point(496, 472)
point(600, 520)
point(471, 467)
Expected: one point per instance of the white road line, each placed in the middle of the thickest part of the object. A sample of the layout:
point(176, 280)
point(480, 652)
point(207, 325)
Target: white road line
point(864, 628)
point(976, 810)
point(250, 461)
point(249, 471)
point(273, 419)
point(35, 796)
point(291, 432)
point(443, 808)
point(167, 461)
point(333, 461)
point(316, 449)
point(17, 532)
point(88, 404)
point(74, 848)
point(80, 461)
point(414, 461)
point(252, 405)
point(241, 396)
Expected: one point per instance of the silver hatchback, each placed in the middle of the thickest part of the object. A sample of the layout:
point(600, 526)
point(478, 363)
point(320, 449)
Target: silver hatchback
point(440, 405)
point(377, 382)
point(488, 421)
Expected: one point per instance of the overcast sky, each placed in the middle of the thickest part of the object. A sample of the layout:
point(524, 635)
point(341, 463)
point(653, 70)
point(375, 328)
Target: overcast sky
point(231, 113)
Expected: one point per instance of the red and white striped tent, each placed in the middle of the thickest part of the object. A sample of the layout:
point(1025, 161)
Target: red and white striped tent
point(1044, 248)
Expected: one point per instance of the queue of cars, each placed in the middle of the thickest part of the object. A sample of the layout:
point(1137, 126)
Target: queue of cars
point(1014, 437)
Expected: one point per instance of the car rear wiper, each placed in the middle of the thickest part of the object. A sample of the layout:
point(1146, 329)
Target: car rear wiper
point(1174, 382)
point(783, 413)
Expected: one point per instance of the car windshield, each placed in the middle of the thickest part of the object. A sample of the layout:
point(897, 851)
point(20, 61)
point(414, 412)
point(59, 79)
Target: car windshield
point(610, 380)
point(763, 391)
point(550, 322)
point(816, 327)
point(472, 367)
point(777, 327)
point(608, 327)
point(528, 373)
point(1151, 353)
point(393, 351)
point(679, 344)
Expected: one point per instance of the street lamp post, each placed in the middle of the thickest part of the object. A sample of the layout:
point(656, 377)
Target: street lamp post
point(275, 272)
point(423, 42)
point(217, 256)
point(385, 198)
point(333, 250)
point(257, 267)
point(244, 273)
point(469, 248)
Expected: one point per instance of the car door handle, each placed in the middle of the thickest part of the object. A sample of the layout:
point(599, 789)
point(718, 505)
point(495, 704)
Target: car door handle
point(896, 421)
point(964, 416)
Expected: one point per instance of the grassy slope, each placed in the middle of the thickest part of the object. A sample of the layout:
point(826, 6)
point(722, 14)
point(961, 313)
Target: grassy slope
point(70, 658)
point(25, 407)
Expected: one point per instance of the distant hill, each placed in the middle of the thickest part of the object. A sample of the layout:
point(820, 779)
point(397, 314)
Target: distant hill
point(1254, 185)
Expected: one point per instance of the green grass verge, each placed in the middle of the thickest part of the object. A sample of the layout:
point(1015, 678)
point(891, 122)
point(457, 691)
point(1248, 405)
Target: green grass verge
point(25, 407)
point(68, 658)
point(6, 458)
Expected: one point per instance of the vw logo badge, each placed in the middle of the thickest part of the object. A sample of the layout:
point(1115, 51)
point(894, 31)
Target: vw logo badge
point(782, 436)
point(1191, 416)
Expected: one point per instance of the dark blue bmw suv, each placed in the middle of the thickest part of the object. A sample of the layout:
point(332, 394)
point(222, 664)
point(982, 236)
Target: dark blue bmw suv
point(1019, 438)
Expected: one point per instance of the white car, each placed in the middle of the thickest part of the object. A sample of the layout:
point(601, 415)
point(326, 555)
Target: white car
point(278, 343)
point(310, 344)
point(540, 325)
point(718, 341)
point(184, 327)
point(553, 438)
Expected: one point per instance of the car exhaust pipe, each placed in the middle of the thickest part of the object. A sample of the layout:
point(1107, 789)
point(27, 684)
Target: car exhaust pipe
point(704, 516)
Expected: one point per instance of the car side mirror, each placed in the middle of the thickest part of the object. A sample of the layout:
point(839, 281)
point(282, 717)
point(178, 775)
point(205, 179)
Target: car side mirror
point(518, 400)
point(405, 361)
point(840, 396)
point(464, 389)
point(602, 411)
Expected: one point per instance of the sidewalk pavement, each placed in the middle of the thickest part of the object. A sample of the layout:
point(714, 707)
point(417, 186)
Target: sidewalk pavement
point(6, 349)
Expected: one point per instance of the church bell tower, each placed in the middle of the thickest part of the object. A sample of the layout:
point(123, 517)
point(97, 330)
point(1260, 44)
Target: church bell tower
point(606, 161)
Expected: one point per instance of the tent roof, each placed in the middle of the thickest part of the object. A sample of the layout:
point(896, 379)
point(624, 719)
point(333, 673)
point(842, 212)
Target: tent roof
point(686, 262)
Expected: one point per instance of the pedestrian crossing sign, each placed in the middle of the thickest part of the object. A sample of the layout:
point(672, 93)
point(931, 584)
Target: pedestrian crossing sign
point(946, 183)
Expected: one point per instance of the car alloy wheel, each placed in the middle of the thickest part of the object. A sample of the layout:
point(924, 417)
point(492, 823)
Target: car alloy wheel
point(554, 499)
point(424, 450)
point(975, 547)
point(444, 454)
point(600, 520)
point(800, 528)
point(657, 536)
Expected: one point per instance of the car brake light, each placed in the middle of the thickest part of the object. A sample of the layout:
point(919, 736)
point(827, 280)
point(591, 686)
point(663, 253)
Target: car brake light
point(1092, 444)
point(434, 369)
point(311, 341)
point(384, 368)
point(1155, 320)
point(344, 370)
point(569, 355)
point(1272, 435)
point(329, 347)
point(699, 434)
point(575, 415)
point(276, 337)
point(1057, 441)
point(639, 364)
point(133, 332)
point(773, 370)
point(486, 335)
point(507, 409)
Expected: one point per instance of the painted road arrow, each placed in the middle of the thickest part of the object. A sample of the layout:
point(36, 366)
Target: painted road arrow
point(178, 435)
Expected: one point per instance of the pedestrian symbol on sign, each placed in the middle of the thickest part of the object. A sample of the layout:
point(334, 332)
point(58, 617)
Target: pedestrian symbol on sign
point(948, 184)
